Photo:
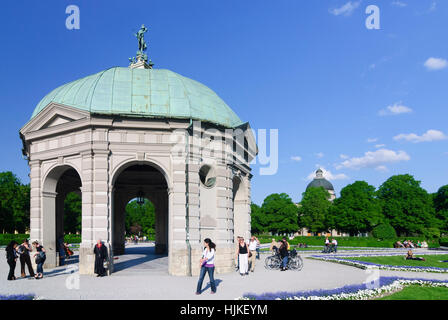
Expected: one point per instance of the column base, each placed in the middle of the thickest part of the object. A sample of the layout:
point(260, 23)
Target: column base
point(86, 260)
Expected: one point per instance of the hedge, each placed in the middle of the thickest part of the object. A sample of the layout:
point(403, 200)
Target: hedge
point(350, 241)
point(6, 238)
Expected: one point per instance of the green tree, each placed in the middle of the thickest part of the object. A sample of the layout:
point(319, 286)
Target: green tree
point(313, 210)
point(14, 203)
point(407, 206)
point(278, 214)
point(440, 200)
point(356, 210)
point(256, 219)
point(140, 218)
point(72, 213)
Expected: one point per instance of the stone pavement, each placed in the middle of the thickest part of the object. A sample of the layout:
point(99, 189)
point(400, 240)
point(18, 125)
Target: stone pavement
point(144, 276)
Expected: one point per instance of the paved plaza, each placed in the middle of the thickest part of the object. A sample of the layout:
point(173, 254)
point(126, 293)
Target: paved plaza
point(141, 274)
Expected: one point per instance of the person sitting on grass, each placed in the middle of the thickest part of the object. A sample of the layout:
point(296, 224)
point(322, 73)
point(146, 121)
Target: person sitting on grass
point(410, 256)
point(424, 244)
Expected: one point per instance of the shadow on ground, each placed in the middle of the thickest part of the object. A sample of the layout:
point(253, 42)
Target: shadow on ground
point(141, 258)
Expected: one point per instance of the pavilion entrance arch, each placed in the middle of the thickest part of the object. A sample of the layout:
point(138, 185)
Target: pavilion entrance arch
point(146, 180)
point(60, 181)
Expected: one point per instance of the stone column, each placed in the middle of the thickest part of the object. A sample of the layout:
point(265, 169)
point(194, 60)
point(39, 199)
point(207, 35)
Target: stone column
point(49, 228)
point(86, 256)
point(161, 208)
point(35, 201)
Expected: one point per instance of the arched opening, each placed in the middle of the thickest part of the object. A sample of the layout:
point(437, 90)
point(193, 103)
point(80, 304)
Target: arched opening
point(138, 189)
point(61, 213)
point(240, 214)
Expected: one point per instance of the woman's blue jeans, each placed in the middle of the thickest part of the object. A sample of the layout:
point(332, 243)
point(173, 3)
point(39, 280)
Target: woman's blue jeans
point(204, 270)
point(40, 268)
point(284, 261)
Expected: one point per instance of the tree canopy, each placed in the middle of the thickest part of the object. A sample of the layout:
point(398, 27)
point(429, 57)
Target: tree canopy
point(72, 213)
point(407, 206)
point(313, 209)
point(356, 210)
point(140, 218)
point(14, 204)
point(278, 214)
point(441, 207)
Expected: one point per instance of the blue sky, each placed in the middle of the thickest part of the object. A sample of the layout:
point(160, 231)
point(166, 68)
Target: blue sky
point(363, 104)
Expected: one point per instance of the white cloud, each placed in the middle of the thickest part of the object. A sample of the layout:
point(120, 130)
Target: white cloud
point(382, 169)
point(436, 64)
point(380, 146)
point(346, 10)
point(320, 155)
point(428, 136)
point(395, 109)
point(400, 4)
point(344, 156)
point(370, 140)
point(433, 6)
point(296, 158)
point(374, 159)
point(328, 175)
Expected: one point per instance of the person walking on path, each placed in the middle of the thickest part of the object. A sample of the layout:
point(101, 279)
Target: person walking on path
point(11, 258)
point(237, 262)
point(100, 252)
point(242, 254)
point(40, 257)
point(207, 265)
point(24, 251)
point(253, 243)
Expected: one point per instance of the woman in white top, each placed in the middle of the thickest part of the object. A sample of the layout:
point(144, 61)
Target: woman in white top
point(207, 264)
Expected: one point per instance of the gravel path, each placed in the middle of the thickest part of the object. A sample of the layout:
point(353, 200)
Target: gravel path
point(148, 279)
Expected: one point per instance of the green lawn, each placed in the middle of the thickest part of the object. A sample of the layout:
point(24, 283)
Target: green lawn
point(416, 292)
point(431, 260)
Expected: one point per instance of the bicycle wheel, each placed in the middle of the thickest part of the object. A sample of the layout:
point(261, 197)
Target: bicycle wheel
point(299, 263)
point(271, 263)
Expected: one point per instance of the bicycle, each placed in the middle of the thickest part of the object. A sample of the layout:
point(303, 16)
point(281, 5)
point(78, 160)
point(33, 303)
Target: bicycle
point(274, 262)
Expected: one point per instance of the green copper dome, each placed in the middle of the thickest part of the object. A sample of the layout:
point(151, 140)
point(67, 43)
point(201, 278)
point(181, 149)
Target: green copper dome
point(153, 93)
point(320, 181)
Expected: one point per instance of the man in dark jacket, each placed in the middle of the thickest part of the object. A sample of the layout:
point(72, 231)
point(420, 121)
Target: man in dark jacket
point(100, 252)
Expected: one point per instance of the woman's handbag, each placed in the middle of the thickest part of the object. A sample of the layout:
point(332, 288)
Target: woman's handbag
point(250, 254)
point(41, 257)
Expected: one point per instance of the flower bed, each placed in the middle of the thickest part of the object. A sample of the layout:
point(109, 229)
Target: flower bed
point(386, 285)
point(18, 297)
point(371, 265)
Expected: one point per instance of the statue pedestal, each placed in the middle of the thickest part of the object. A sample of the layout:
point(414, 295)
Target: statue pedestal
point(140, 64)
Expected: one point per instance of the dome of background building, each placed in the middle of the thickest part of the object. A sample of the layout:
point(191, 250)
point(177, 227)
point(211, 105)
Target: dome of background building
point(320, 181)
point(151, 93)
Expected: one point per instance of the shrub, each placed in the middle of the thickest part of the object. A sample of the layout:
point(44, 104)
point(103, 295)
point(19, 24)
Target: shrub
point(443, 242)
point(6, 238)
point(384, 231)
point(72, 238)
